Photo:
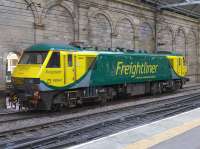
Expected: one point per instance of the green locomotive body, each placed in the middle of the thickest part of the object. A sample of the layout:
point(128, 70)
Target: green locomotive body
point(67, 76)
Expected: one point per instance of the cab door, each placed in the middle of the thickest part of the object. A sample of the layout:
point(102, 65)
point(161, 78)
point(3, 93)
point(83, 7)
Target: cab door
point(70, 71)
point(53, 73)
point(180, 66)
point(184, 67)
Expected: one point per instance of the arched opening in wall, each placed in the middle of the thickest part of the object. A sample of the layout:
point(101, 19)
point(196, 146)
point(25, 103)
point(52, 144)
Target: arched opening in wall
point(180, 41)
point(192, 57)
point(100, 31)
point(17, 30)
point(165, 39)
point(146, 38)
point(11, 62)
point(59, 25)
point(125, 36)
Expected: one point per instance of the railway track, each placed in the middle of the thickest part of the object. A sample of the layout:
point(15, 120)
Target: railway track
point(22, 116)
point(72, 131)
point(16, 116)
point(11, 116)
point(189, 88)
point(7, 118)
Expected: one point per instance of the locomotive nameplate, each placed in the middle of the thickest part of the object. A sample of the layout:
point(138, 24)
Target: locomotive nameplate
point(134, 70)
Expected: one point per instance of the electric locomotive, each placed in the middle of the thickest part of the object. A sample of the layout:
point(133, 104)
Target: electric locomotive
point(54, 75)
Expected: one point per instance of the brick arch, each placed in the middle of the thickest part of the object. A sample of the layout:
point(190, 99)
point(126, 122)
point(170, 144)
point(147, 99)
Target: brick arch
point(33, 9)
point(191, 40)
point(125, 31)
point(100, 30)
point(34, 13)
point(54, 4)
point(59, 23)
point(165, 38)
point(106, 14)
point(127, 19)
point(180, 40)
point(146, 37)
point(192, 56)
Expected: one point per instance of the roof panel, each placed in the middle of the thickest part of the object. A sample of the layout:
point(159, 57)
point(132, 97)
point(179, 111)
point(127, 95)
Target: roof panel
point(186, 7)
point(45, 46)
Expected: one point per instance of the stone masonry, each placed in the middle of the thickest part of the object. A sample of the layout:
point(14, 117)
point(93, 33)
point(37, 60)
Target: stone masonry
point(101, 23)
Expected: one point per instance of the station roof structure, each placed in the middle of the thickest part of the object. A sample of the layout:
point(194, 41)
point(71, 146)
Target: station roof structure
point(190, 8)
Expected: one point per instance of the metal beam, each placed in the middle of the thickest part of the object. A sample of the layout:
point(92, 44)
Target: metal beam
point(181, 4)
point(181, 10)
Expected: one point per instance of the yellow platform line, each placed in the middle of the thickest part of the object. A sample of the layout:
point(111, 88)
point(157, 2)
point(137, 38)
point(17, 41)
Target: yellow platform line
point(158, 138)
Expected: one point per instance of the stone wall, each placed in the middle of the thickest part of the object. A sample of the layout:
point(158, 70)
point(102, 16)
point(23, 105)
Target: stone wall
point(102, 23)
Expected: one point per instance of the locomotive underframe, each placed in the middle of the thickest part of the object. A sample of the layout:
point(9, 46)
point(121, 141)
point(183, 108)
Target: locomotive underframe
point(54, 100)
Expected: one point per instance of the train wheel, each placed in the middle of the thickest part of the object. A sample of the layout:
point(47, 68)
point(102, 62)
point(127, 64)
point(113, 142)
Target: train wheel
point(56, 107)
point(173, 86)
point(103, 99)
point(160, 87)
point(181, 85)
point(72, 102)
point(154, 88)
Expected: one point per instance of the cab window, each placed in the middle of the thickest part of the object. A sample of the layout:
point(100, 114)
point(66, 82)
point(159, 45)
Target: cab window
point(183, 61)
point(33, 57)
point(70, 62)
point(54, 61)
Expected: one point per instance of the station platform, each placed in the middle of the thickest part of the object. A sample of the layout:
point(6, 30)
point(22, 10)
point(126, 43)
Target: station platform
point(181, 131)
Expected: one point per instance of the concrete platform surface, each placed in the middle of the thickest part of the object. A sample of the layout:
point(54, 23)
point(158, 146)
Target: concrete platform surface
point(178, 132)
point(187, 140)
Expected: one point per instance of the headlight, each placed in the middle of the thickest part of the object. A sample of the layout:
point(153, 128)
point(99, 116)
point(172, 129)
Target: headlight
point(17, 81)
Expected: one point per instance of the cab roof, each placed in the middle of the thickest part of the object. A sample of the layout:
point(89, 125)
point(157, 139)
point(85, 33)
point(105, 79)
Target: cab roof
point(52, 45)
point(46, 46)
point(174, 53)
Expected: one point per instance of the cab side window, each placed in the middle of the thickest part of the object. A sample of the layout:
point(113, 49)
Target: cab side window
point(54, 61)
point(70, 60)
point(183, 61)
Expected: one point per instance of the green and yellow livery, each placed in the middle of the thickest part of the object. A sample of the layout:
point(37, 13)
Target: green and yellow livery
point(53, 75)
